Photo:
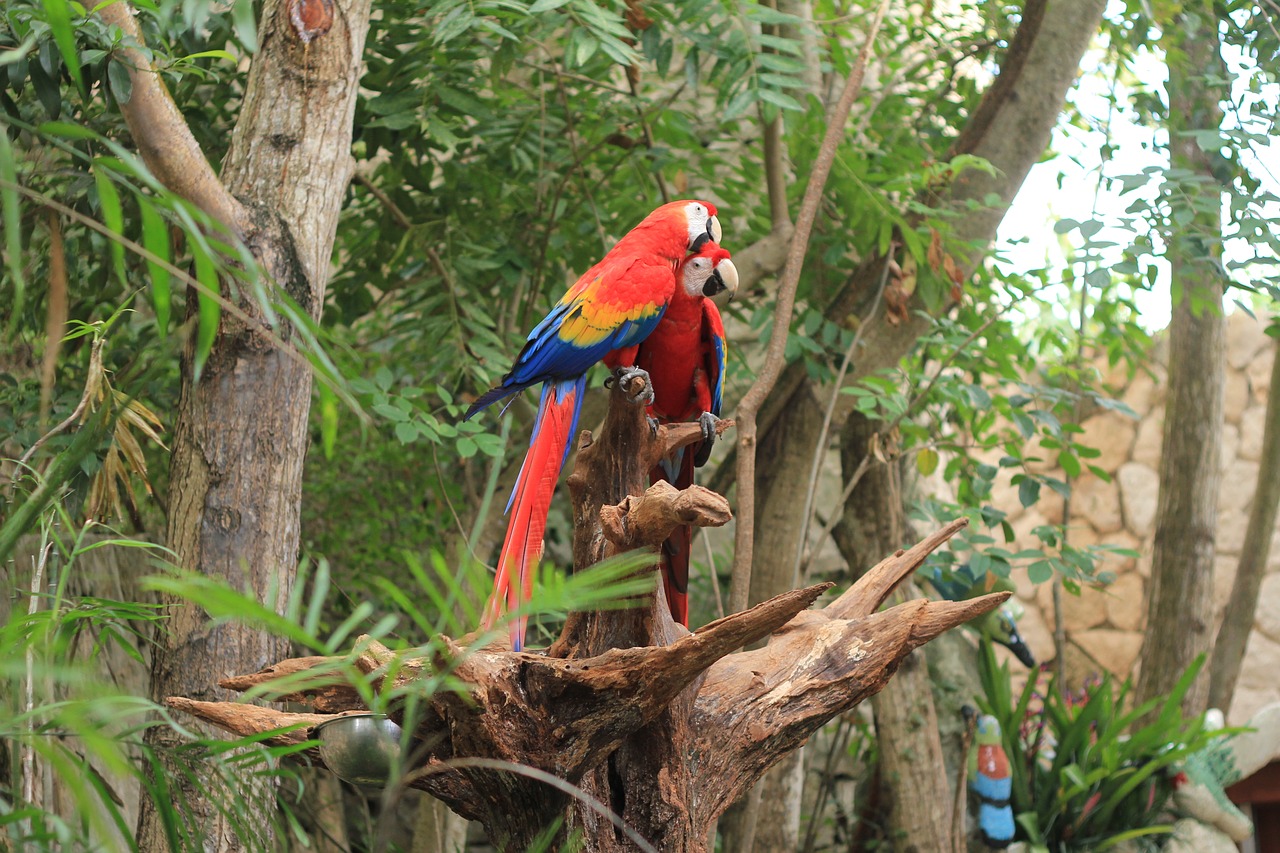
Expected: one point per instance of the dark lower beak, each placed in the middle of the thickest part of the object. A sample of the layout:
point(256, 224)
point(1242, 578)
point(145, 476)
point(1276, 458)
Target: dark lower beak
point(715, 284)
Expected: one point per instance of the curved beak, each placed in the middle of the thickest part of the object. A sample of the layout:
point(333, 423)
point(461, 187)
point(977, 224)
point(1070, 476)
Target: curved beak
point(723, 277)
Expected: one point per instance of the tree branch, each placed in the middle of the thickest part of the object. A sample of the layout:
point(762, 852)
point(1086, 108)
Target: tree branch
point(161, 133)
point(646, 521)
point(1237, 619)
point(998, 92)
point(775, 176)
point(776, 352)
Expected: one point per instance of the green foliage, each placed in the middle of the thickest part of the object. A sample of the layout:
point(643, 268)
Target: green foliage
point(1087, 773)
point(86, 733)
point(500, 146)
point(66, 717)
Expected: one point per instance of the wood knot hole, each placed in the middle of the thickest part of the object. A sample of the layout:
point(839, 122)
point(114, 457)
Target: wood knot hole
point(311, 18)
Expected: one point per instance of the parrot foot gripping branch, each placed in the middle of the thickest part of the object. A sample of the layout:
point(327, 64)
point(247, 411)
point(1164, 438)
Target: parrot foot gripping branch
point(625, 376)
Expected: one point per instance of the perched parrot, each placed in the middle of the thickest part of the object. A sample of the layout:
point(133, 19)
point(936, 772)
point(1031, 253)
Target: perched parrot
point(990, 781)
point(684, 357)
point(615, 304)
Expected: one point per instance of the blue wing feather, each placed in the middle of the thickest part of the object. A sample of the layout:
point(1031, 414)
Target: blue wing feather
point(717, 393)
point(713, 334)
point(546, 357)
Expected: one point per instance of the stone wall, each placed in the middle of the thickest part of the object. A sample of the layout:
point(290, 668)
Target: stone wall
point(1105, 626)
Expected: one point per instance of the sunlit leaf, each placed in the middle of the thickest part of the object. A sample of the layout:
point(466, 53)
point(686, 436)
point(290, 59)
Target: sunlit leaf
point(209, 311)
point(155, 237)
point(113, 218)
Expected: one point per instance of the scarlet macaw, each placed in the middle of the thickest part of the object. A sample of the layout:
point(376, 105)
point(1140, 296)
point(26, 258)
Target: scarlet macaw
point(615, 304)
point(684, 357)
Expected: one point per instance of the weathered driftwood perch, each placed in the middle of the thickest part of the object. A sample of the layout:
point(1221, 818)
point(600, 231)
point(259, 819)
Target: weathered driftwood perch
point(664, 727)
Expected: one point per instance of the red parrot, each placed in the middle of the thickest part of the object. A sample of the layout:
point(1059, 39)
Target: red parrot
point(615, 304)
point(684, 357)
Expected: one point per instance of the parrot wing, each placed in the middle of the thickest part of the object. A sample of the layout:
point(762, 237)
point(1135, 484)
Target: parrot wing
point(615, 304)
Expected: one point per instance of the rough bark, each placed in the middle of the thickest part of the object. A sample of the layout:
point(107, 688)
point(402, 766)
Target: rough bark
point(241, 432)
point(1237, 619)
point(912, 769)
point(664, 727)
point(1180, 608)
point(781, 491)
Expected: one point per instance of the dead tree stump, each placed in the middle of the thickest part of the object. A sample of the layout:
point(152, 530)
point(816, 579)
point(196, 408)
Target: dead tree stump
point(660, 727)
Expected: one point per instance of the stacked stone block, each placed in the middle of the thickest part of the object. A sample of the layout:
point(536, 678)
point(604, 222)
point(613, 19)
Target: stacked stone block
point(1104, 627)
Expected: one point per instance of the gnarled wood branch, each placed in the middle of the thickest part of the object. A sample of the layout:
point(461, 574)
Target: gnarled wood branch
point(665, 725)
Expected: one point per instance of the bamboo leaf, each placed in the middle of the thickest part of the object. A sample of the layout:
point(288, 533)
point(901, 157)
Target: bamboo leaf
point(210, 312)
point(328, 418)
point(112, 217)
point(58, 16)
point(12, 227)
point(155, 237)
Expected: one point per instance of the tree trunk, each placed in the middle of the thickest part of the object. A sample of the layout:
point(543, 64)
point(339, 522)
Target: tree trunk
point(768, 822)
point(660, 729)
point(1015, 128)
point(241, 432)
point(912, 769)
point(1180, 610)
point(1012, 129)
point(1237, 620)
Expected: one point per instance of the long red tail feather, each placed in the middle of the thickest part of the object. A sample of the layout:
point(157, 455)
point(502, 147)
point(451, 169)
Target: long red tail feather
point(676, 550)
point(530, 501)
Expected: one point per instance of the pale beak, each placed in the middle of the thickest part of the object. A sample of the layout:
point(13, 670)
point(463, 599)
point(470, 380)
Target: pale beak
point(713, 229)
point(723, 277)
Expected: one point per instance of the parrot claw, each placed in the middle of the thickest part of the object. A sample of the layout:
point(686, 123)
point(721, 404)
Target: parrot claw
point(653, 426)
point(708, 423)
point(623, 375)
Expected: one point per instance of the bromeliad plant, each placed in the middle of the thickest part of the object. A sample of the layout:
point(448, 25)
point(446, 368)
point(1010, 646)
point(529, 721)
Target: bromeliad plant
point(1086, 774)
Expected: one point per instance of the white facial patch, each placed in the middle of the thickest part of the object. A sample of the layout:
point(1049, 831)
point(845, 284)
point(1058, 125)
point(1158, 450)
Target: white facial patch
point(696, 272)
point(697, 215)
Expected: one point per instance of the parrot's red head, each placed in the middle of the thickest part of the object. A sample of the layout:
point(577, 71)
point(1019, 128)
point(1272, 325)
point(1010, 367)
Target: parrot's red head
point(689, 222)
point(709, 271)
